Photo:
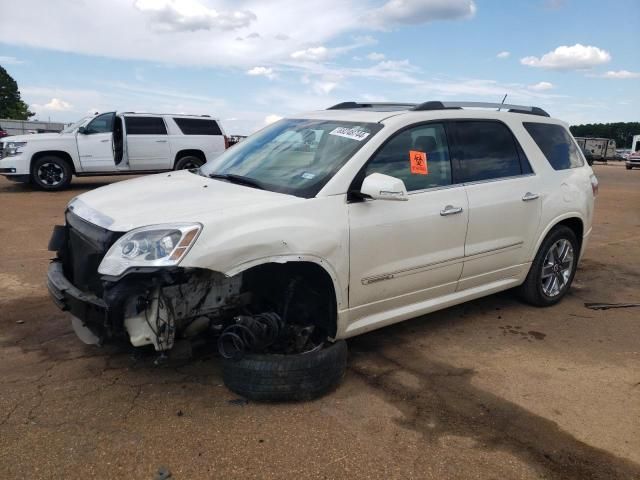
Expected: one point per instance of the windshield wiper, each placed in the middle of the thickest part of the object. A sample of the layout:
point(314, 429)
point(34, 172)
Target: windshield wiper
point(238, 179)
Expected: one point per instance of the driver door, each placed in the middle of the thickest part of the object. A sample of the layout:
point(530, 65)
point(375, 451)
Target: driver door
point(95, 144)
point(407, 252)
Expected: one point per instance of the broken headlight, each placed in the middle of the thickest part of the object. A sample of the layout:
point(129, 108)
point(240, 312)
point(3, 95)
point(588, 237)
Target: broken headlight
point(153, 246)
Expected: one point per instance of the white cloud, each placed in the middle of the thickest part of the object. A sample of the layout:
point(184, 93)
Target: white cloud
point(324, 88)
point(204, 32)
point(262, 72)
point(376, 57)
point(542, 86)
point(503, 54)
point(313, 54)
point(191, 15)
point(620, 74)
point(54, 105)
point(576, 57)
point(414, 12)
point(272, 118)
point(10, 61)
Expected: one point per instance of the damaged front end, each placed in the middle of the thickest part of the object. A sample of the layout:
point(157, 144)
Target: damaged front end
point(271, 308)
point(147, 306)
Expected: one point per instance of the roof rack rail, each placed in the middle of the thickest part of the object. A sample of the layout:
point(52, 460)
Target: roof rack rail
point(384, 105)
point(435, 105)
point(176, 114)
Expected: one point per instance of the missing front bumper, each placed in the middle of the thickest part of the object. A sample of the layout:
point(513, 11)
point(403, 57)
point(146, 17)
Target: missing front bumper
point(90, 310)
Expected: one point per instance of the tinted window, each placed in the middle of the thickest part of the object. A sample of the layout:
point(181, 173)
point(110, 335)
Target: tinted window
point(194, 126)
point(145, 126)
point(556, 144)
point(484, 150)
point(101, 124)
point(418, 156)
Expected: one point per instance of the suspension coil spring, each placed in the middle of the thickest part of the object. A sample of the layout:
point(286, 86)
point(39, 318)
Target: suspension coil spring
point(250, 333)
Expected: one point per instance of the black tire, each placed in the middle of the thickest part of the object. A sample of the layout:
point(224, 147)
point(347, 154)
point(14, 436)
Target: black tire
point(532, 290)
point(628, 167)
point(51, 172)
point(279, 378)
point(188, 162)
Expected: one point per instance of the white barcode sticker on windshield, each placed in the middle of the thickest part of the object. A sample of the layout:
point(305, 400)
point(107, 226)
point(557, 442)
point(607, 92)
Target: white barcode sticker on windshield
point(352, 133)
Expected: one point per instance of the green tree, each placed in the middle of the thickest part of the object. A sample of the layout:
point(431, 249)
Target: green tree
point(11, 105)
point(621, 132)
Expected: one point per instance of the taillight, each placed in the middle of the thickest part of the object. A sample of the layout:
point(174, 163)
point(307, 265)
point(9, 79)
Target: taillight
point(594, 185)
point(226, 142)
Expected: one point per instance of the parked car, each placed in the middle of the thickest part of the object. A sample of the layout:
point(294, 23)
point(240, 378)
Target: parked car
point(3, 133)
point(633, 161)
point(112, 144)
point(324, 226)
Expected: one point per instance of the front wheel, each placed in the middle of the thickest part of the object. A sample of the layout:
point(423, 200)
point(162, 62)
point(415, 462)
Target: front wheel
point(51, 173)
point(553, 269)
point(628, 167)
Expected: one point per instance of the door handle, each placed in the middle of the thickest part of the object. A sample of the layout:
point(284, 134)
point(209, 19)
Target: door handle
point(530, 196)
point(450, 210)
point(161, 141)
point(105, 140)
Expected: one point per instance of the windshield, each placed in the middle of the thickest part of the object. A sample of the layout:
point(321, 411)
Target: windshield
point(71, 128)
point(297, 157)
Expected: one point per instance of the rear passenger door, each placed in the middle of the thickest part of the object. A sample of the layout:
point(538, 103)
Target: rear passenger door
point(148, 145)
point(504, 201)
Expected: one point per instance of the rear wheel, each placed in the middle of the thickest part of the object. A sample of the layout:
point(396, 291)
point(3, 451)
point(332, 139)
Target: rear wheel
point(628, 167)
point(189, 162)
point(553, 269)
point(51, 173)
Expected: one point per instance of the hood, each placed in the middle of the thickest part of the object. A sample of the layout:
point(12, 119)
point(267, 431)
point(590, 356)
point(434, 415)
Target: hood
point(172, 197)
point(32, 137)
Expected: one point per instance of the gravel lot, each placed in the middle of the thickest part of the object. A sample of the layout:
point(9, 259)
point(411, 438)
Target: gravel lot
point(489, 389)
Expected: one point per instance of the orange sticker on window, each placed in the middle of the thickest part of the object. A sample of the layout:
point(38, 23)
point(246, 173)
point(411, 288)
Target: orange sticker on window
point(418, 162)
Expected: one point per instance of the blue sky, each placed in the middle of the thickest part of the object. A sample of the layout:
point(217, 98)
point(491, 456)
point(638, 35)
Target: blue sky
point(249, 62)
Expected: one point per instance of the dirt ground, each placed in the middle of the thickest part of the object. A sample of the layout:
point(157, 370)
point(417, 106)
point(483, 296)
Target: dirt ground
point(492, 389)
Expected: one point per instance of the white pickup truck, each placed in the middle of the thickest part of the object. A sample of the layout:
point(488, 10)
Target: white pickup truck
point(110, 144)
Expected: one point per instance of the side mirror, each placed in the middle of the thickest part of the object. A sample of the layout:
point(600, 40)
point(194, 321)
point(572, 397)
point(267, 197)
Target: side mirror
point(384, 187)
point(83, 130)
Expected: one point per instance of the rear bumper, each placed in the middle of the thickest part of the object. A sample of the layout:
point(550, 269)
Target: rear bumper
point(89, 309)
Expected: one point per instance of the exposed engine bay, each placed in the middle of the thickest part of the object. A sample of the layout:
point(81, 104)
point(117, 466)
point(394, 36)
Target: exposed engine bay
point(270, 308)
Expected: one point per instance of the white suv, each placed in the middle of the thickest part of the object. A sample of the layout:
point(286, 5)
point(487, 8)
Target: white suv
point(324, 226)
point(110, 144)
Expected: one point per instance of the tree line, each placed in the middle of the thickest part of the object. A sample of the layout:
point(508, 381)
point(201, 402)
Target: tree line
point(621, 132)
point(11, 105)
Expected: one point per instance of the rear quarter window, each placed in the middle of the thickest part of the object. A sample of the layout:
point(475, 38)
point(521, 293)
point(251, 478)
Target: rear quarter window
point(195, 126)
point(557, 145)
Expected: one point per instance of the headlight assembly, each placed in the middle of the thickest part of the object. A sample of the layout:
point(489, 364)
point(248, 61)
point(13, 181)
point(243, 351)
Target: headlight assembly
point(12, 149)
point(152, 246)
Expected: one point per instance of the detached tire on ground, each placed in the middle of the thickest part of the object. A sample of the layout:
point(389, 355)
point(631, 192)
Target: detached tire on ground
point(279, 378)
point(50, 172)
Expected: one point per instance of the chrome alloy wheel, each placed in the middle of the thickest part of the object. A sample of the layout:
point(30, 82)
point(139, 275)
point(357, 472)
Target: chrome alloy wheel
point(557, 267)
point(50, 174)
